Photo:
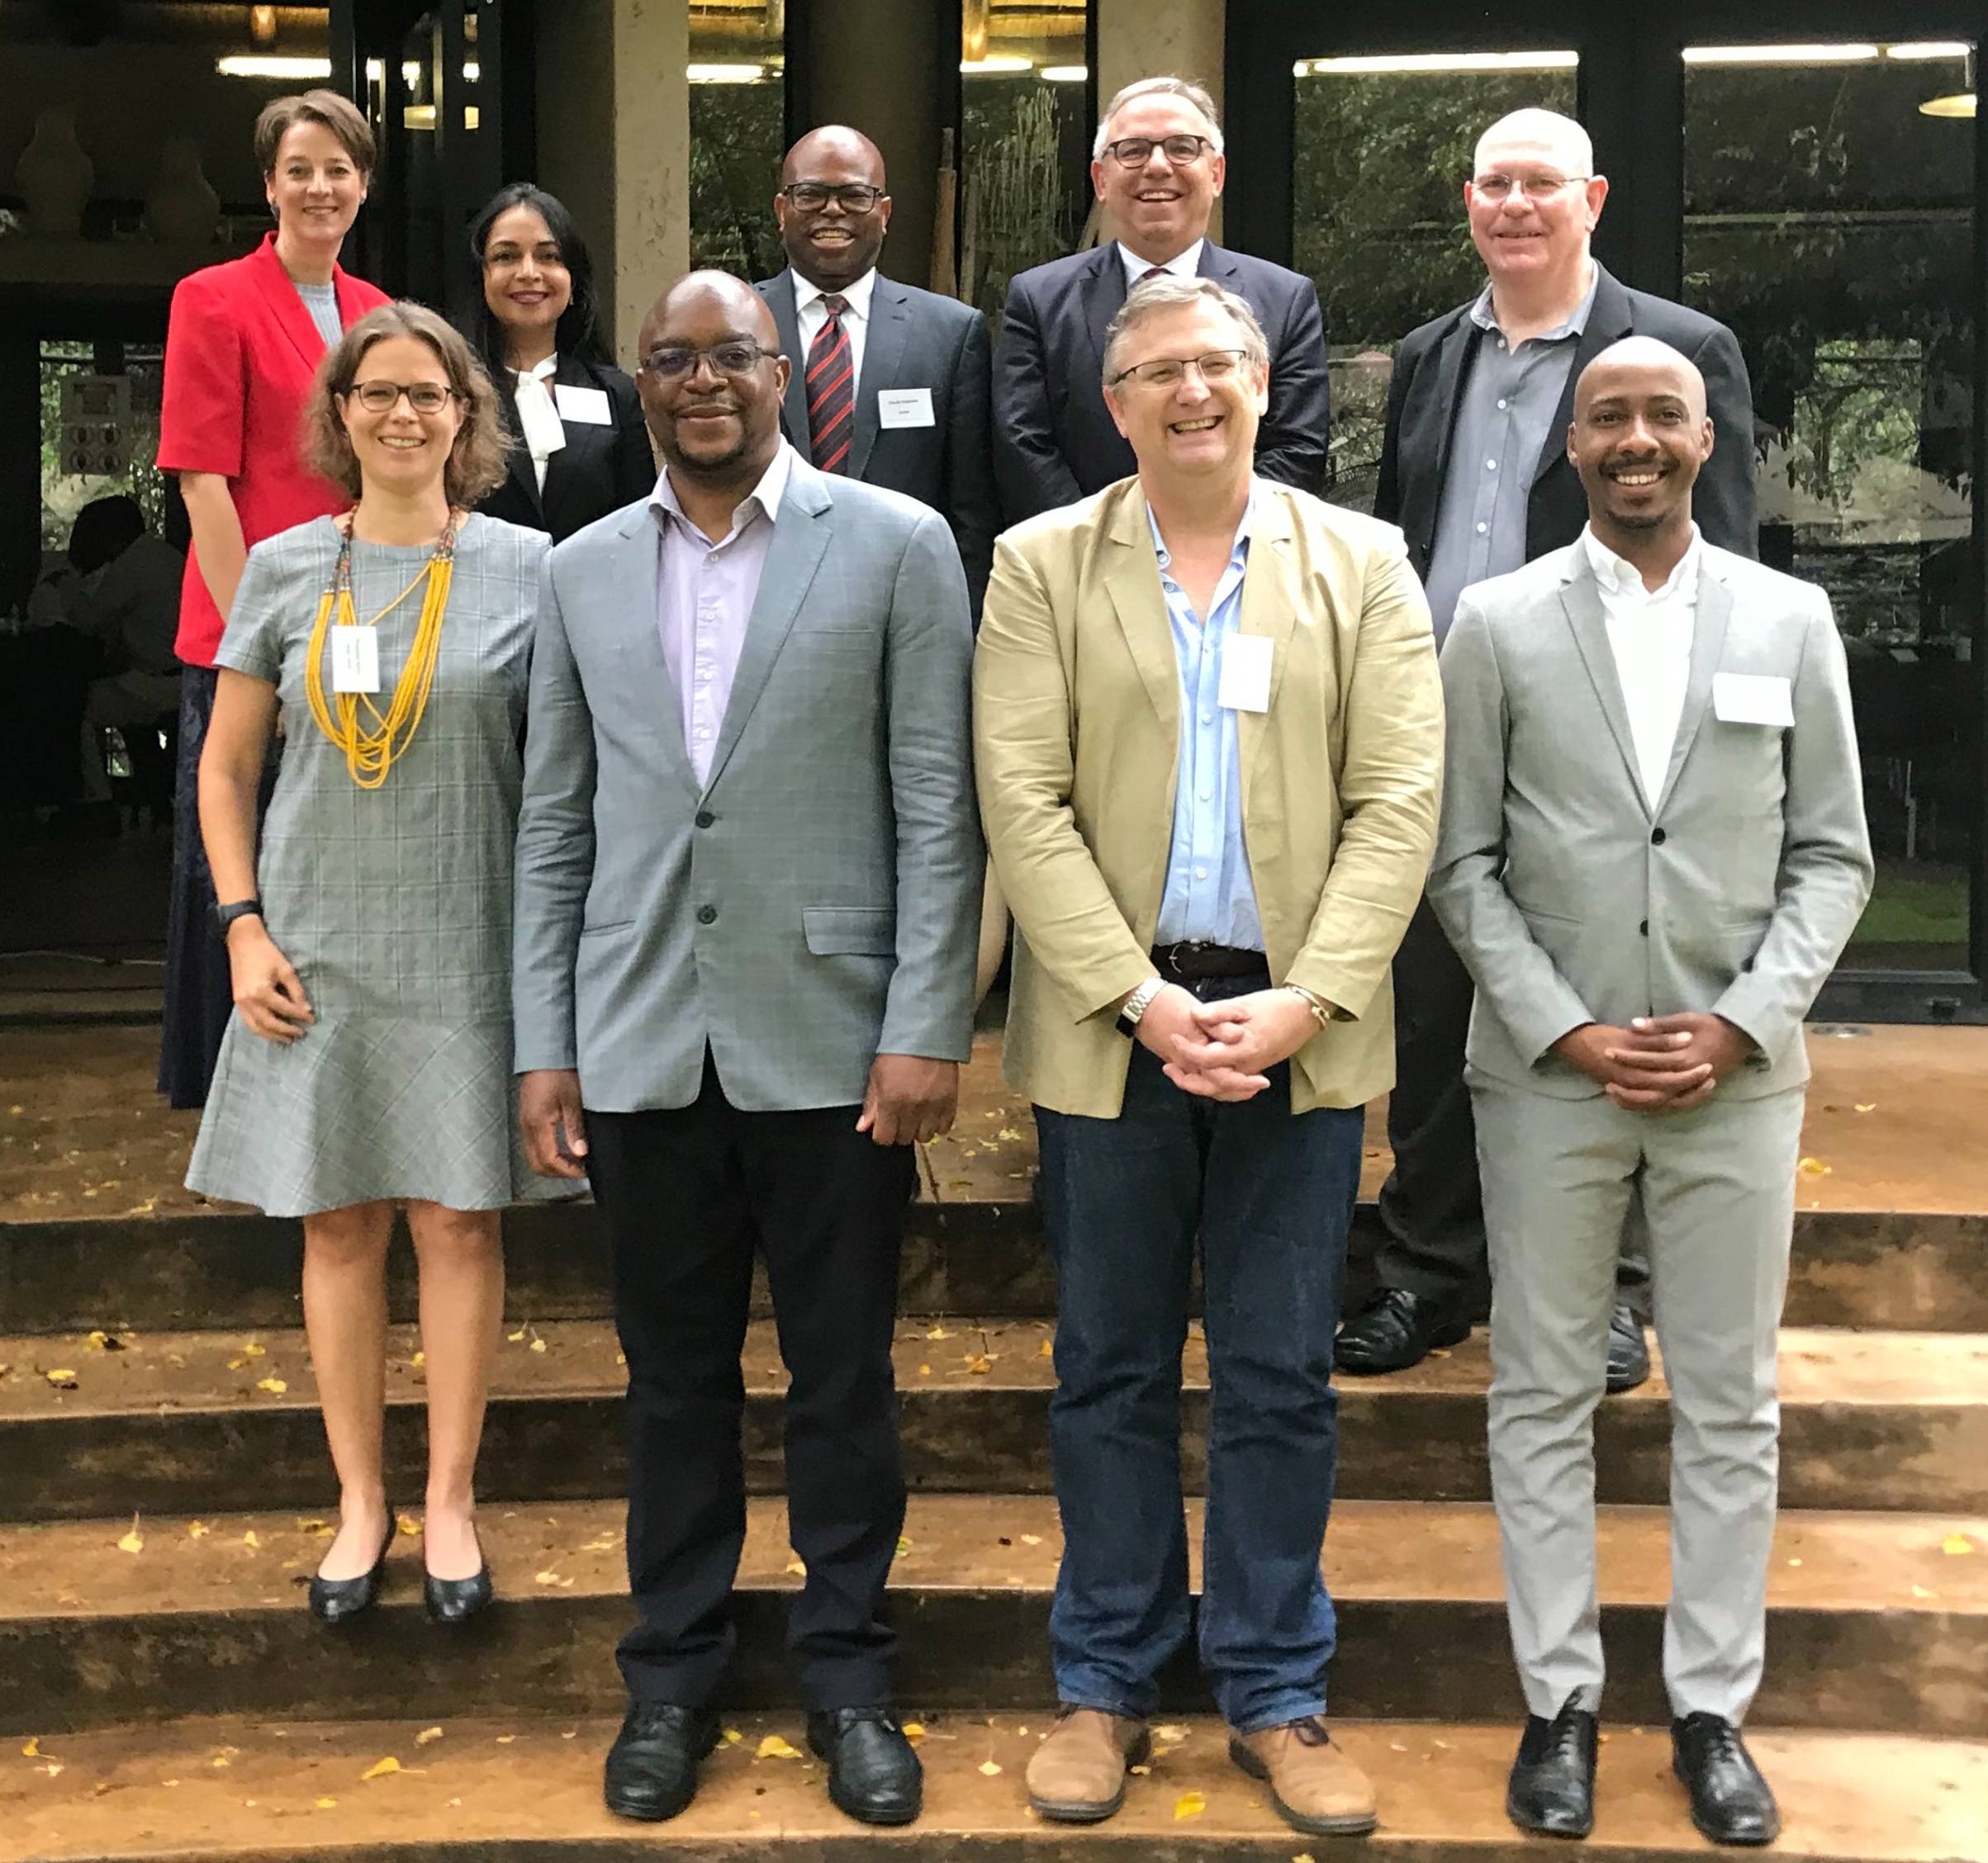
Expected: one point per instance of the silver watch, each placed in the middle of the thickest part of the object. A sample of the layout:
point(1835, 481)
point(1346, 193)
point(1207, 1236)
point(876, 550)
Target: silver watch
point(1136, 1004)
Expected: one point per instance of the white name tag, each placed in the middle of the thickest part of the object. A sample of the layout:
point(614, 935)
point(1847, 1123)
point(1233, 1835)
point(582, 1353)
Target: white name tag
point(587, 406)
point(1246, 673)
point(355, 659)
point(903, 407)
point(1753, 699)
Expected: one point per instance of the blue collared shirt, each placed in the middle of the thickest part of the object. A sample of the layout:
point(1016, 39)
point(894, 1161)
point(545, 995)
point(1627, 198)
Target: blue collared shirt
point(1209, 896)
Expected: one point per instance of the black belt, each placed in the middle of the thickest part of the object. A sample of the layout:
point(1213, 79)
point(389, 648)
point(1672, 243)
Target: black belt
point(1191, 962)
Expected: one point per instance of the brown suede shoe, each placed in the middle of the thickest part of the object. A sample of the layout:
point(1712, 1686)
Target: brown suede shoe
point(1315, 1787)
point(1077, 1775)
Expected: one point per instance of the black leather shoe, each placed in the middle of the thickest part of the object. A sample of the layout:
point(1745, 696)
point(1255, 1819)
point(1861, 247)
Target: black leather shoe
point(1628, 1350)
point(1730, 1801)
point(453, 1600)
point(1552, 1788)
point(1394, 1331)
point(652, 1768)
point(873, 1774)
point(336, 1600)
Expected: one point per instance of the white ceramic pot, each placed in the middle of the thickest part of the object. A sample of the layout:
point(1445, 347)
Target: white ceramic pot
point(54, 177)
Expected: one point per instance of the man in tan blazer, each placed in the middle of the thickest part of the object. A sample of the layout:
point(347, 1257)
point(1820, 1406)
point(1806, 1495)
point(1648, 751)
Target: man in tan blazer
point(1209, 738)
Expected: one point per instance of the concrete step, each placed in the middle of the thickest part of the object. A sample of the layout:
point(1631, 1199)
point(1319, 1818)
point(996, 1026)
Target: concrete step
point(513, 1789)
point(176, 1269)
point(178, 1422)
point(1877, 1622)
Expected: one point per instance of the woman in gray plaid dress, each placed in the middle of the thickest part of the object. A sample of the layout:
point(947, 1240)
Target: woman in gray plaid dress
point(368, 1061)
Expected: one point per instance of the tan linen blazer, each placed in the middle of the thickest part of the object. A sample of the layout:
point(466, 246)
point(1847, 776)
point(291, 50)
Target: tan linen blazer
point(1076, 725)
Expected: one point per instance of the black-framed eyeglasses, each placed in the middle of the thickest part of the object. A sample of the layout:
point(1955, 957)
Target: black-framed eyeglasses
point(379, 397)
point(811, 197)
point(1167, 372)
point(675, 363)
point(1135, 152)
point(1535, 187)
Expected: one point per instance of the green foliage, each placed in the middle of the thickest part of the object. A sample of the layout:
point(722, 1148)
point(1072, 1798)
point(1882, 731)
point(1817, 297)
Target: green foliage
point(736, 148)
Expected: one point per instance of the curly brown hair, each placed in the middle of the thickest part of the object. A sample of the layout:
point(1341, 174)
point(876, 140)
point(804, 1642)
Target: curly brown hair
point(476, 463)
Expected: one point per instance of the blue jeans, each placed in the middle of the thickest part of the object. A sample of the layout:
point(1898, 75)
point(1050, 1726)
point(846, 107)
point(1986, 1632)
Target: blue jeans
point(1268, 1199)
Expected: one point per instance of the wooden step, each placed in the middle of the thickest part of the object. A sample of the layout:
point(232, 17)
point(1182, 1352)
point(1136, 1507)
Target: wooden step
point(1876, 1621)
point(513, 1788)
point(174, 1423)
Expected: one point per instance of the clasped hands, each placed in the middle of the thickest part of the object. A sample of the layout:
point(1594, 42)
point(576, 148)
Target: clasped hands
point(1224, 1051)
point(1659, 1064)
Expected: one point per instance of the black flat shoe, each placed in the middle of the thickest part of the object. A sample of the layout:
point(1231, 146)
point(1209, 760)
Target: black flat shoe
point(652, 1768)
point(1394, 1331)
point(1730, 1801)
point(1552, 1788)
point(1628, 1351)
point(335, 1600)
point(452, 1600)
point(873, 1774)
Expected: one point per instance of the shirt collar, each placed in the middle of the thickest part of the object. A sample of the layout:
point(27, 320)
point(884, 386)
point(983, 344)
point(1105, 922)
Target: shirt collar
point(1239, 551)
point(1182, 265)
point(1482, 315)
point(766, 495)
point(540, 371)
point(855, 296)
point(1615, 573)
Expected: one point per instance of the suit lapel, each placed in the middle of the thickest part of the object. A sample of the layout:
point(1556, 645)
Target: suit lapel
point(637, 562)
point(1215, 262)
point(801, 534)
point(786, 320)
point(1583, 602)
point(1269, 609)
point(1708, 646)
point(1608, 321)
point(1103, 292)
point(280, 293)
point(1451, 354)
point(1132, 578)
point(883, 354)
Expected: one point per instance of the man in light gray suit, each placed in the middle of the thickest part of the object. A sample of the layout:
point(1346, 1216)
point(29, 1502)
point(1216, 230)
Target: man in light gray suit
point(1653, 849)
point(748, 883)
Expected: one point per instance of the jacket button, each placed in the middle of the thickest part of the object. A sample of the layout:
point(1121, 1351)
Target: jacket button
point(1656, 838)
point(1644, 928)
point(707, 915)
point(705, 817)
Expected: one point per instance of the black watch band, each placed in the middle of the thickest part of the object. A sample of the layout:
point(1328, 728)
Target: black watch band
point(224, 916)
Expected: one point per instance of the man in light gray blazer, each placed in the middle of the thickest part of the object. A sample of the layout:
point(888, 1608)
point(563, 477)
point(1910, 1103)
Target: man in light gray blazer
point(1653, 849)
point(749, 882)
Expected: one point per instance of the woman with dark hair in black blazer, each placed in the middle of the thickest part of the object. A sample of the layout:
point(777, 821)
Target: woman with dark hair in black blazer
point(580, 449)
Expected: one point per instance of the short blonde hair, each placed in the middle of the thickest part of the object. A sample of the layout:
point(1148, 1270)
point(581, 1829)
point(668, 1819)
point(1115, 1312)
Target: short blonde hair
point(327, 108)
point(1168, 292)
point(1184, 88)
point(476, 463)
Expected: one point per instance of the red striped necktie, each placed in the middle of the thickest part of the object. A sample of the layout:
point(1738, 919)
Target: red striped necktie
point(832, 391)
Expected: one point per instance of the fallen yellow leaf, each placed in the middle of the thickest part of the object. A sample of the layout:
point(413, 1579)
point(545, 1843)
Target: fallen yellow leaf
point(795, 1568)
point(538, 1345)
point(1957, 1544)
point(32, 1750)
point(1031, 1539)
point(64, 1378)
point(1008, 1132)
point(938, 1332)
point(134, 1541)
point(904, 1546)
point(1170, 1733)
point(99, 1342)
point(1813, 1168)
point(427, 1737)
point(1190, 1805)
point(274, 1385)
point(924, 1371)
point(515, 1337)
point(915, 1732)
point(221, 1762)
point(250, 1541)
point(1047, 1349)
point(198, 1529)
point(1303, 1856)
point(53, 1769)
point(992, 1768)
point(979, 1364)
point(1920, 1591)
point(418, 1360)
point(773, 1747)
point(252, 1350)
point(380, 1768)
point(733, 1737)
point(410, 1528)
point(1869, 1106)
point(325, 1804)
point(550, 1576)
point(236, 1365)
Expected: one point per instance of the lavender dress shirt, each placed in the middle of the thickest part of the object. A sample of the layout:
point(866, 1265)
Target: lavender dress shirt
point(705, 593)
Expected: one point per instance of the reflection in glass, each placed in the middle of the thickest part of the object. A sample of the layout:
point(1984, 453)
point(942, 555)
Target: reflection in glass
point(63, 492)
point(737, 74)
point(1024, 160)
point(1384, 149)
point(1830, 224)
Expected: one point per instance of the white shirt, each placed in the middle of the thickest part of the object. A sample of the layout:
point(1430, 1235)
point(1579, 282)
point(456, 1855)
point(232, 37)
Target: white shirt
point(542, 429)
point(809, 315)
point(1182, 265)
point(1650, 636)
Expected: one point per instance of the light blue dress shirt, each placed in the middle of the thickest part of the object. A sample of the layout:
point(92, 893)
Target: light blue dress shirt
point(1209, 897)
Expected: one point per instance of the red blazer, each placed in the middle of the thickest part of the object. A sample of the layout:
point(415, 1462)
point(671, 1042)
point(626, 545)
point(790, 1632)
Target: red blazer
point(241, 352)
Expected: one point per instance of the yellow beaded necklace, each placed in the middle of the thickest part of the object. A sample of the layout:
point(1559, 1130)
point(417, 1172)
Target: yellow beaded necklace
point(370, 753)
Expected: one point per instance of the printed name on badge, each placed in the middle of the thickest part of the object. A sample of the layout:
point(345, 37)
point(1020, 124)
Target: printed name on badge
point(1753, 699)
point(1246, 673)
point(355, 659)
point(588, 407)
point(903, 407)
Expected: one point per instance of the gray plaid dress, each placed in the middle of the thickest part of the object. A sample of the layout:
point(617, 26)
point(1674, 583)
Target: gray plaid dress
point(393, 904)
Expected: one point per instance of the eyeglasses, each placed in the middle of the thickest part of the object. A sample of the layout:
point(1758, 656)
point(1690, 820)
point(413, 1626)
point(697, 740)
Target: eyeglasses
point(379, 397)
point(1537, 188)
point(811, 197)
point(1217, 367)
point(1135, 152)
point(728, 358)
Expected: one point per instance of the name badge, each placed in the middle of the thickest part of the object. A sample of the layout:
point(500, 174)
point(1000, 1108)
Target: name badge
point(588, 407)
point(355, 659)
point(1753, 699)
point(1246, 673)
point(903, 407)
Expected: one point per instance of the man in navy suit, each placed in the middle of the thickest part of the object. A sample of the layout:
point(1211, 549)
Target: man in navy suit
point(1157, 167)
point(890, 382)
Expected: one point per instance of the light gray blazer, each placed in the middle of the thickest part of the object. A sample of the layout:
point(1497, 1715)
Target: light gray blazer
point(817, 901)
point(1568, 898)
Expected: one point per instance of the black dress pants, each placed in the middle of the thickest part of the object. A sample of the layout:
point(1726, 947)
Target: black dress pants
point(1430, 1205)
point(690, 1195)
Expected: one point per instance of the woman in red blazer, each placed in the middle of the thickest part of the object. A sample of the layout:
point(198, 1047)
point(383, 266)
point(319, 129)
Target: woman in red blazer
point(242, 347)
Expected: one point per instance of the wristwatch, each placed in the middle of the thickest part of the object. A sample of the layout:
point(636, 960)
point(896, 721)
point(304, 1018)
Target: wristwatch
point(1136, 1005)
point(222, 917)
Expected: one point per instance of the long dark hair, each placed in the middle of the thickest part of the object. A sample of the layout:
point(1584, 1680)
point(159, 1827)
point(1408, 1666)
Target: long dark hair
point(578, 333)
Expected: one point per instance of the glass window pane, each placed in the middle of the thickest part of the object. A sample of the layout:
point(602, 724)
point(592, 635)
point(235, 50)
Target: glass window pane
point(1384, 149)
point(1830, 222)
point(737, 73)
point(85, 456)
